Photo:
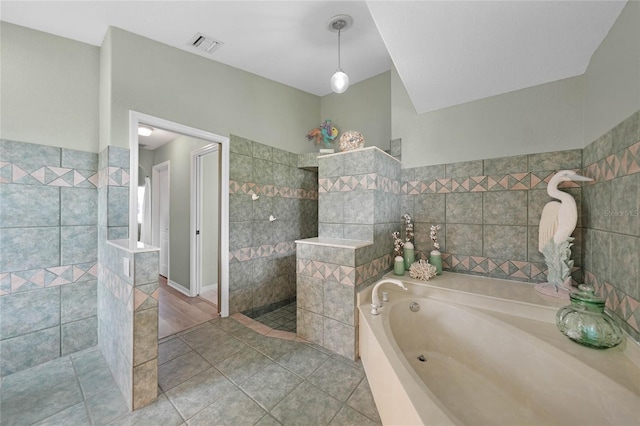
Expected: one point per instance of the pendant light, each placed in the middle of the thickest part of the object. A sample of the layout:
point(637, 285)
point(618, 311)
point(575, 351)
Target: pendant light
point(339, 80)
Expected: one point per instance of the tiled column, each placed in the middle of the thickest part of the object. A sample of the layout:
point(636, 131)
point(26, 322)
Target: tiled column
point(358, 209)
point(326, 277)
point(128, 314)
point(127, 300)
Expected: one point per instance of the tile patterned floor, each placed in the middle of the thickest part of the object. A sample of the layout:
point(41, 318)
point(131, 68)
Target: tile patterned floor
point(283, 318)
point(218, 373)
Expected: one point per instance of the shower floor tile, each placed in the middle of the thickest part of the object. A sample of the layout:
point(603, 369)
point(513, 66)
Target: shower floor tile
point(283, 318)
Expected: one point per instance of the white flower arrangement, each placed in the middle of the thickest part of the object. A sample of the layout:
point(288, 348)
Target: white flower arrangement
point(397, 244)
point(434, 236)
point(408, 236)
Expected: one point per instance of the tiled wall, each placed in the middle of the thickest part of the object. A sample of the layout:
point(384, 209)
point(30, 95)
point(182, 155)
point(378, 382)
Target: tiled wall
point(489, 211)
point(262, 253)
point(359, 201)
point(611, 219)
point(48, 255)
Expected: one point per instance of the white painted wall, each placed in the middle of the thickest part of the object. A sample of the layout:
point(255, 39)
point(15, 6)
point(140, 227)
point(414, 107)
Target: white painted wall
point(612, 79)
point(538, 119)
point(162, 81)
point(49, 89)
point(365, 107)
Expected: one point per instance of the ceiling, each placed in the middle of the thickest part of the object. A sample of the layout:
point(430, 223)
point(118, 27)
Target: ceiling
point(446, 52)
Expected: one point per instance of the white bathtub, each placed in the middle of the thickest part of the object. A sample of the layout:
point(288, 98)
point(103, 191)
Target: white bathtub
point(491, 359)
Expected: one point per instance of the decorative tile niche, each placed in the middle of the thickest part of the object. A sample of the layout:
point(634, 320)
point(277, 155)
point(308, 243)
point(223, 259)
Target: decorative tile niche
point(48, 240)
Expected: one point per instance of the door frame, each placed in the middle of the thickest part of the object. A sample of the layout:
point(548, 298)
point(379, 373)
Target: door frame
point(197, 187)
point(155, 209)
point(137, 118)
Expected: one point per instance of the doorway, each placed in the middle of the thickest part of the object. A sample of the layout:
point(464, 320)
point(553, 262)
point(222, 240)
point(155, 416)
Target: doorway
point(221, 145)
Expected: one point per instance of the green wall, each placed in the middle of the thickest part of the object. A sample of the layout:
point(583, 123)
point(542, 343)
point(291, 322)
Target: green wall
point(612, 79)
point(560, 115)
point(49, 89)
point(155, 79)
point(542, 118)
point(365, 107)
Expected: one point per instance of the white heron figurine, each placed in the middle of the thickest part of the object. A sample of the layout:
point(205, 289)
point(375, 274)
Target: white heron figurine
point(557, 223)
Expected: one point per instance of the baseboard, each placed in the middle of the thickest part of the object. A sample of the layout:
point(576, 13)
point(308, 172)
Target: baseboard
point(209, 287)
point(179, 287)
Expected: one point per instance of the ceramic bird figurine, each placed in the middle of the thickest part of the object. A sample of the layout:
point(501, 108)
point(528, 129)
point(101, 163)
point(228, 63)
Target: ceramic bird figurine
point(557, 223)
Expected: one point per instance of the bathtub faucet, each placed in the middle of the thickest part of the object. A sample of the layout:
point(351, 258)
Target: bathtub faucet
point(375, 299)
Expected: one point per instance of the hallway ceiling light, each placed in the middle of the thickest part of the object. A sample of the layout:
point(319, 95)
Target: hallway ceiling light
point(145, 130)
point(340, 80)
point(205, 43)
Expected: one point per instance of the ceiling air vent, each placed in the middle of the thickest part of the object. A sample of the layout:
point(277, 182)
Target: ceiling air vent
point(205, 43)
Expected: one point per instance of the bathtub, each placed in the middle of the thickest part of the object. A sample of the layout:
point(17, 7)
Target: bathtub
point(487, 352)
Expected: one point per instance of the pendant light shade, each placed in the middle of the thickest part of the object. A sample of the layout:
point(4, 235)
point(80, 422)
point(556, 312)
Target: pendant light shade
point(339, 80)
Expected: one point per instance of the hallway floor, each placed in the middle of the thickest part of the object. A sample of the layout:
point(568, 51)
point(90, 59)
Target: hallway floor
point(178, 312)
point(220, 372)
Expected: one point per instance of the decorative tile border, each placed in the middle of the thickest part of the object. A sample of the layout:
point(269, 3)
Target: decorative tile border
point(116, 285)
point(250, 188)
point(113, 176)
point(14, 282)
point(323, 270)
point(346, 275)
point(373, 268)
point(249, 253)
point(623, 305)
point(514, 269)
point(358, 183)
point(140, 297)
point(623, 163)
point(48, 176)
point(509, 182)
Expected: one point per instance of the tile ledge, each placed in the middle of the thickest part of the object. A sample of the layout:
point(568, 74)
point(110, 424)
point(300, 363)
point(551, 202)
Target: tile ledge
point(335, 242)
point(128, 246)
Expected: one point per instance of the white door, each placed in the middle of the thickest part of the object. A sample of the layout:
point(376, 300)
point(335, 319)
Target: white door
point(206, 227)
point(161, 215)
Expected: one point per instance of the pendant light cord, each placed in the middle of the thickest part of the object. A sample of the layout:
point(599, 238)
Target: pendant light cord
point(339, 66)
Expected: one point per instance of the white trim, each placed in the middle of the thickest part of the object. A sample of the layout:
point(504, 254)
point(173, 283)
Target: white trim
point(155, 209)
point(178, 287)
point(209, 287)
point(136, 118)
